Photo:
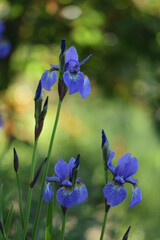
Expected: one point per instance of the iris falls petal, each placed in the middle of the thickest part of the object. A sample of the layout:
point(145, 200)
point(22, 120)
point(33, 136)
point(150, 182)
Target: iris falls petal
point(85, 90)
point(136, 196)
point(47, 192)
point(48, 79)
point(74, 81)
point(114, 193)
point(67, 196)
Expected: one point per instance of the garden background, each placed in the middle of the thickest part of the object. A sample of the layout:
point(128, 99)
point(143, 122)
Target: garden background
point(124, 71)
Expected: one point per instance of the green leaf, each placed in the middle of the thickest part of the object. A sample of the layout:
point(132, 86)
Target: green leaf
point(8, 221)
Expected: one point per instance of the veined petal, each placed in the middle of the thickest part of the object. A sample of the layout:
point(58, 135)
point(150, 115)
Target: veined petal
point(121, 164)
point(61, 169)
point(136, 196)
point(131, 167)
point(82, 193)
point(114, 193)
point(71, 164)
point(86, 88)
point(48, 79)
point(74, 81)
point(67, 196)
point(71, 53)
point(47, 192)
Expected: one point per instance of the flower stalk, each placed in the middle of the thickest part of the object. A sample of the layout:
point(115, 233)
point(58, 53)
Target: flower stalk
point(64, 210)
point(29, 198)
point(45, 171)
point(107, 207)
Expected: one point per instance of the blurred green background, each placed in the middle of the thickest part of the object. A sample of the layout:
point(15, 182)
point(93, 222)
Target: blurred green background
point(124, 38)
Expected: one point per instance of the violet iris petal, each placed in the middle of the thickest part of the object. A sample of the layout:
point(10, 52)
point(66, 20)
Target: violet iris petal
point(114, 193)
point(61, 169)
point(5, 49)
point(86, 88)
point(47, 192)
point(71, 164)
point(74, 81)
point(68, 196)
point(48, 79)
point(136, 196)
point(131, 167)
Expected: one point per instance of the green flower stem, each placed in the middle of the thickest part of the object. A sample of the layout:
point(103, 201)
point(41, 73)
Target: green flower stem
point(20, 200)
point(28, 206)
point(45, 171)
point(63, 225)
point(104, 225)
point(48, 229)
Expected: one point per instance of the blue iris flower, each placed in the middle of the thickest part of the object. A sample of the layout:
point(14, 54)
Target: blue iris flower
point(74, 79)
point(5, 46)
point(69, 194)
point(127, 166)
point(115, 191)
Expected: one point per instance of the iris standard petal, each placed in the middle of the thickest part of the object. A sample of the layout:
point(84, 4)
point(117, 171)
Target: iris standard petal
point(109, 163)
point(114, 193)
point(47, 192)
point(61, 169)
point(48, 79)
point(71, 53)
point(67, 196)
point(74, 81)
point(71, 164)
point(86, 88)
point(5, 48)
point(121, 164)
point(136, 196)
point(131, 167)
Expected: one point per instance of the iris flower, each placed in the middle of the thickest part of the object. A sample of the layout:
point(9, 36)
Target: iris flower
point(74, 79)
point(127, 166)
point(5, 46)
point(70, 192)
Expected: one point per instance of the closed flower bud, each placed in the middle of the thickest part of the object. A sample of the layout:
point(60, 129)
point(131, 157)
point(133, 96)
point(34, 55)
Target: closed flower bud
point(125, 237)
point(38, 102)
point(62, 59)
point(16, 161)
point(75, 170)
point(105, 148)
